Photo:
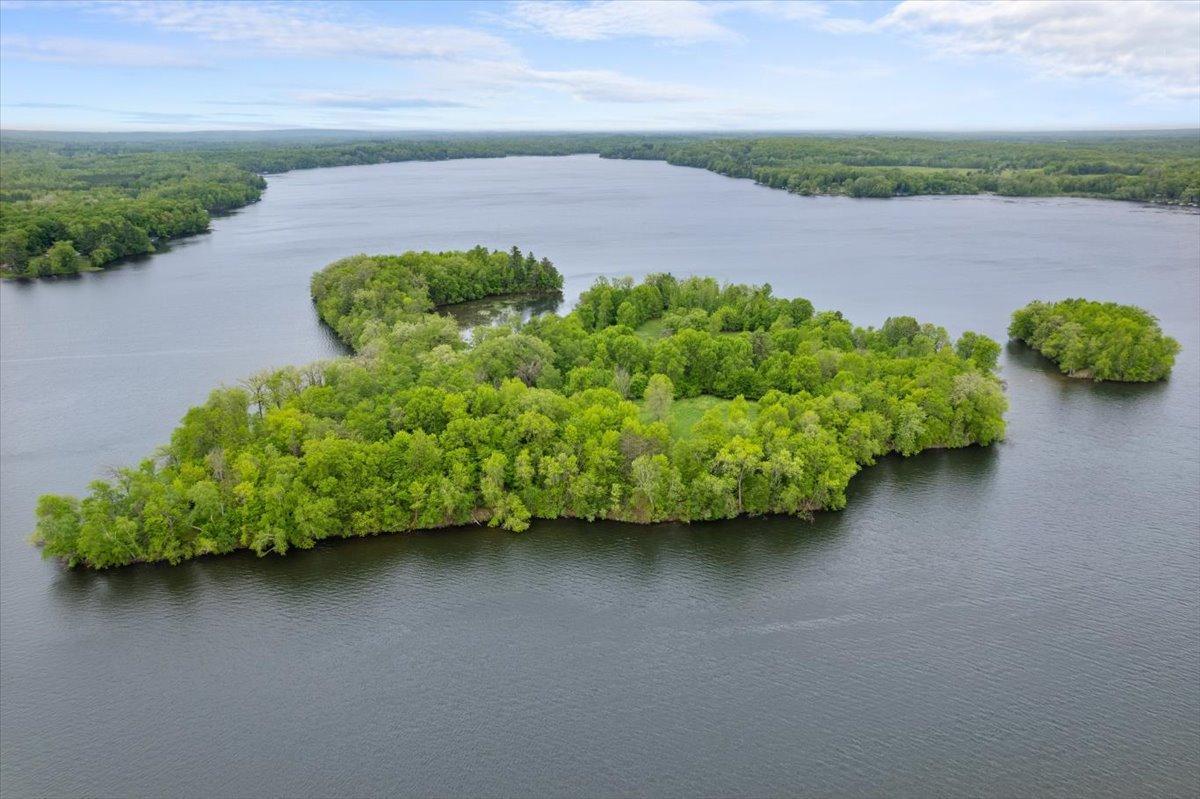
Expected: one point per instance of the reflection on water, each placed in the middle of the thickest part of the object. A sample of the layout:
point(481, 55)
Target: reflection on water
point(737, 551)
point(1010, 621)
point(496, 310)
point(1029, 359)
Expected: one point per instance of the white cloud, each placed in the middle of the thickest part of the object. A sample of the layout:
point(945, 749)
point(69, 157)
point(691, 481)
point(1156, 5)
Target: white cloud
point(680, 21)
point(71, 50)
point(838, 70)
point(674, 21)
point(602, 85)
point(370, 101)
point(478, 59)
point(813, 14)
point(305, 29)
point(1154, 46)
point(472, 79)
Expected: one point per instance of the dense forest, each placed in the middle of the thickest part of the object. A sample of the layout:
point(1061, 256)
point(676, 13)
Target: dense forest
point(674, 399)
point(70, 204)
point(360, 296)
point(1098, 340)
point(1154, 169)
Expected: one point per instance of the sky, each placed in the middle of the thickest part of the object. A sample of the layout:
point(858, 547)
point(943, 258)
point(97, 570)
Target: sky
point(743, 65)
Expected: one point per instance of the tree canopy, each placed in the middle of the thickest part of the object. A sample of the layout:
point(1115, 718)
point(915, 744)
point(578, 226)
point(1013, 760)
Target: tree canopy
point(1163, 169)
point(106, 200)
point(669, 399)
point(1100, 340)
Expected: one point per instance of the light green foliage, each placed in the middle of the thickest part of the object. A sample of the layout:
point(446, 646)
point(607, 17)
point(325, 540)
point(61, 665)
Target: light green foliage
point(687, 413)
point(764, 408)
point(982, 350)
point(658, 397)
point(652, 329)
point(1101, 340)
point(363, 295)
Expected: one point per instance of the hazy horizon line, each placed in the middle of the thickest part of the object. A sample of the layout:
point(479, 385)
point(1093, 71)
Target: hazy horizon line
point(1148, 128)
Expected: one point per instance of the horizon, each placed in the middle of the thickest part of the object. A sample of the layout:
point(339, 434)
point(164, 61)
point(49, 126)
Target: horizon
point(725, 132)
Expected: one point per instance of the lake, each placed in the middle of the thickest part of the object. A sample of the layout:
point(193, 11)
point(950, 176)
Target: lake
point(1018, 620)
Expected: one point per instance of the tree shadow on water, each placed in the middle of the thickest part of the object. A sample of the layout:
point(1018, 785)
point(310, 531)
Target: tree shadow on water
point(742, 552)
point(1022, 358)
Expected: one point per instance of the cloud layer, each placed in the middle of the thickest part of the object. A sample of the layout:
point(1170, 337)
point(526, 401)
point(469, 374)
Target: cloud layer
point(1154, 46)
point(77, 50)
point(631, 63)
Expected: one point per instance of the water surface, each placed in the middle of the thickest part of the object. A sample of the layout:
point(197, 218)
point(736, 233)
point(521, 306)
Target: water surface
point(1017, 620)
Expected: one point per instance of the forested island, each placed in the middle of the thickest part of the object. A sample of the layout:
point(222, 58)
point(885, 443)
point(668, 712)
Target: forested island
point(671, 399)
point(74, 203)
point(1097, 340)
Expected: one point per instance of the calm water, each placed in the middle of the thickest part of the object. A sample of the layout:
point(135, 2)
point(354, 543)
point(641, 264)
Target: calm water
point(1020, 620)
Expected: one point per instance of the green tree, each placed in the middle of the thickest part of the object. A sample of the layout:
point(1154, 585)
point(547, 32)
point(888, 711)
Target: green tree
point(659, 395)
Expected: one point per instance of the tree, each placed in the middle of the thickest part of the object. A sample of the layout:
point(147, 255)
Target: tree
point(739, 459)
point(660, 394)
point(1102, 340)
point(61, 259)
point(981, 350)
point(425, 430)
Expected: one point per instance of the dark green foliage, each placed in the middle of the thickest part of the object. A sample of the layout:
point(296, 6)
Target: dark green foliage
point(1101, 340)
point(107, 206)
point(421, 430)
point(116, 199)
point(1154, 169)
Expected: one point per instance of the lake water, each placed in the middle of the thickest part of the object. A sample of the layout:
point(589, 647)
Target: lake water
point(1018, 620)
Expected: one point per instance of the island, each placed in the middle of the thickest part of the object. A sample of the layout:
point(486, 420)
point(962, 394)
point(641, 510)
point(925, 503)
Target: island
point(1097, 340)
point(72, 203)
point(670, 399)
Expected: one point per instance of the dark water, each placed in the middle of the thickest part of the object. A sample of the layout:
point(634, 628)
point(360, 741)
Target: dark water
point(1013, 621)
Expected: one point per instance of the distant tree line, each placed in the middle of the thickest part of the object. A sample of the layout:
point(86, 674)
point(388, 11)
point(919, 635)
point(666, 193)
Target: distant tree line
point(563, 416)
point(65, 213)
point(1099, 340)
point(68, 205)
point(1164, 169)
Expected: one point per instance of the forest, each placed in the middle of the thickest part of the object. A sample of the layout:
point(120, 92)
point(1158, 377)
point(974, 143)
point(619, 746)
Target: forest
point(1163, 169)
point(670, 399)
point(74, 203)
point(1097, 340)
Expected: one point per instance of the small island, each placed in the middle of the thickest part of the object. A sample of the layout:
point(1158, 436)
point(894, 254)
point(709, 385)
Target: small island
point(1097, 340)
point(670, 399)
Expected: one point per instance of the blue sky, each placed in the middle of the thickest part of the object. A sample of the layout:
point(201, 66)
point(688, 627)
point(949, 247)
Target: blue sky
point(599, 66)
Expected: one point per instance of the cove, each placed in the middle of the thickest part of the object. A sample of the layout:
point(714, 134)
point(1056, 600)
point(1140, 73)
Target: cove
point(1023, 618)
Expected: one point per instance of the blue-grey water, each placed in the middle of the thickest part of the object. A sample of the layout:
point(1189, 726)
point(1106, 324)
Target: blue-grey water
point(1021, 620)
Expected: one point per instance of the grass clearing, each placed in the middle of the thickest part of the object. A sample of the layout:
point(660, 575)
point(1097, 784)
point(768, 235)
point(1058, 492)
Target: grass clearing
point(651, 330)
point(686, 412)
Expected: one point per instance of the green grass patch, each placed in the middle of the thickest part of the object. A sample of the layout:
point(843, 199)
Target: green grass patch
point(686, 412)
point(652, 330)
point(655, 329)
